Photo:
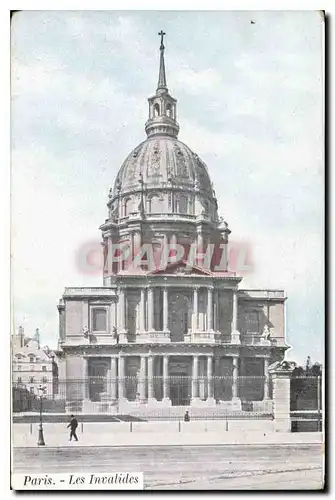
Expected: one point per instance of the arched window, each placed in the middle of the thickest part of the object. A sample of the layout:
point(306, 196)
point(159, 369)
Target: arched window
point(127, 207)
point(156, 110)
point(169, 110)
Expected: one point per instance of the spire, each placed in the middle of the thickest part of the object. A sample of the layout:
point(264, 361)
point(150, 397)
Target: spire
point(162, 106)
point(161, 87)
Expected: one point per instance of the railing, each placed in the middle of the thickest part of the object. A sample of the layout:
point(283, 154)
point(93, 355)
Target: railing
point(255, 338)
point(306, 403)
point(105, 392)
point(261, 294)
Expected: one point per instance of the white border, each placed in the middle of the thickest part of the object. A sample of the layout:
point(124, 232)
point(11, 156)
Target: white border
point(6, 319)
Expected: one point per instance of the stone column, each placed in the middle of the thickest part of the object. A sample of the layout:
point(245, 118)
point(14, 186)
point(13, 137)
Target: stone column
point(281, 396)
point(113, 378)
point(200, 249)
point(235, 378)
point(121, 378)
point(266, 379)
point(165, 309)
point(210, 309)
point(150, 377)
point(107, 395)
point(195, 379)
point(121, 311)
point(173, 241)
point(150, 309)
point(142, 311)
point(235, 308)
point(166, 378)
point(195, 309)
point(210, 392)
point(137, 240)
point(215, 310)
point(142, 379)
point(113, 320)
point(235, 334)
point(87, 380)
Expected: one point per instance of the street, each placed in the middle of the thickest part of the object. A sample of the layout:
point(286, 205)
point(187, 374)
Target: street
point(187, 467)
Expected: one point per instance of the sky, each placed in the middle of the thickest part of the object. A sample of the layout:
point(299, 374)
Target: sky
point(250, 103)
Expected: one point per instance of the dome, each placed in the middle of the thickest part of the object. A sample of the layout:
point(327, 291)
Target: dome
point(161, 161)
point(162, 195)
point(162, 176)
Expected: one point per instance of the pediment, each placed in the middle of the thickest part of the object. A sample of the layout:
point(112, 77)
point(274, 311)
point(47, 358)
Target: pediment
point(182, 268)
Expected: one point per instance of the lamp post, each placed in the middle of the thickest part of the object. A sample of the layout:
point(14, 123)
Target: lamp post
point(40, 442)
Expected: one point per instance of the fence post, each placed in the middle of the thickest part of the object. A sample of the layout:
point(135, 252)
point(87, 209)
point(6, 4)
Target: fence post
point(179, 425)
point(281, 378)
point(31, 428)
point(82, 427)
point(131, 427)
point(319, 404)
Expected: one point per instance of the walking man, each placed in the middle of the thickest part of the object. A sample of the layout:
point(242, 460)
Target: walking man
point(73, 426)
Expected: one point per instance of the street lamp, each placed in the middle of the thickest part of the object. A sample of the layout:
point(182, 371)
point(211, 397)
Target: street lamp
point(40, 442)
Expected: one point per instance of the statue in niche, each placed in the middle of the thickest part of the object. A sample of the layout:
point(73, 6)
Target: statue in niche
point(266, 332)
point(113, 213)
point(105, 252)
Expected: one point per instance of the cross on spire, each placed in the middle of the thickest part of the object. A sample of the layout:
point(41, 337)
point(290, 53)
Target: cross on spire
point(162, 34)
point(162, 78)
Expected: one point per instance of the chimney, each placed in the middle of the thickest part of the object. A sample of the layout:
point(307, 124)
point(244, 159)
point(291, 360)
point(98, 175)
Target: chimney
point(37, 337)
point(21, 336)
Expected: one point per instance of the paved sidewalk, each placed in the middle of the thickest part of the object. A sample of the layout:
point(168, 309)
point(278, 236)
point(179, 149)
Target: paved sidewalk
point(61, 439)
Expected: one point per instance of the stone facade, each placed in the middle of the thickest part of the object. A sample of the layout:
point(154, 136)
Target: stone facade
point(165, 326)
point(32, 367)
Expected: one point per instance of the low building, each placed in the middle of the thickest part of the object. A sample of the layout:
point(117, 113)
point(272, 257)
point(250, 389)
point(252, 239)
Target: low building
point(32, 366)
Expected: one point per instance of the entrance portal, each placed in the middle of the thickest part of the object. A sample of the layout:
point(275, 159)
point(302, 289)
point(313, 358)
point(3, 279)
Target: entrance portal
point(180, 389)
point(98, 373)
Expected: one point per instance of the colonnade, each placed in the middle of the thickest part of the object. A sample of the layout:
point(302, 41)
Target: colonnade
point(147, 309)
point(117, 377)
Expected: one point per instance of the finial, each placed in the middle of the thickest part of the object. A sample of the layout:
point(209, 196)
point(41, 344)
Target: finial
point(162, 78)
point(162, 34)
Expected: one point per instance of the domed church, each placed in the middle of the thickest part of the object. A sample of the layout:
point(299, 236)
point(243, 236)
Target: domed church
point(170, 326)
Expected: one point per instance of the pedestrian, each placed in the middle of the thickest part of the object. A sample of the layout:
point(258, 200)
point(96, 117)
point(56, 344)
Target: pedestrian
point(186, 417)
point(73, 426)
